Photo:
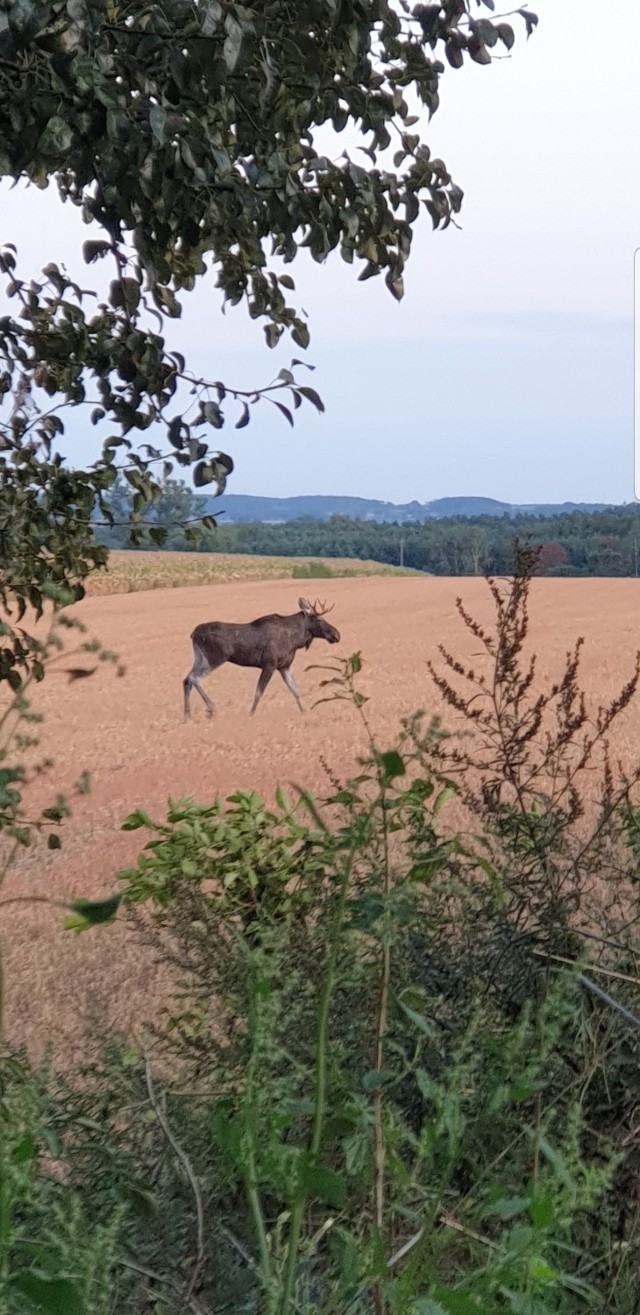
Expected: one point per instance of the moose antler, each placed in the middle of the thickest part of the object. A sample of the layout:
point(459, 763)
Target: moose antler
point(321, 609)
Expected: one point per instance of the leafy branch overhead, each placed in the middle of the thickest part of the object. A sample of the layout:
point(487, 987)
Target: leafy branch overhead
point(194, 138)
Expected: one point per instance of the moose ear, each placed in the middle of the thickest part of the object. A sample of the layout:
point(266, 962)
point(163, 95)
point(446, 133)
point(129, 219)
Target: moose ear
point(304, 606)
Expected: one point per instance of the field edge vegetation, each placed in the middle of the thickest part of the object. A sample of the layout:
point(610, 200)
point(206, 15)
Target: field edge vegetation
point(137, 571)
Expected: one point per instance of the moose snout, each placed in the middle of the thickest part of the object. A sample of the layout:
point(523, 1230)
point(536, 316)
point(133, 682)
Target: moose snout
point(334, 637)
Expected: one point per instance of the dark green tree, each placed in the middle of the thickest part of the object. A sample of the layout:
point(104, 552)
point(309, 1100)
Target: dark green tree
point(186, 134)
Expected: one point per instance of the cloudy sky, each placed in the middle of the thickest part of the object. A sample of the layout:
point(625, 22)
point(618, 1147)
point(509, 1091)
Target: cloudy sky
point(507, 370)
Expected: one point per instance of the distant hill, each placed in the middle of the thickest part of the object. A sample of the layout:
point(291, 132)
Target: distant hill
point(241, 508)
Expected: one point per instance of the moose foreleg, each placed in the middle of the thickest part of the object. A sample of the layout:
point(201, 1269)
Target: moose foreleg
point(291, 685)
point(263, 681)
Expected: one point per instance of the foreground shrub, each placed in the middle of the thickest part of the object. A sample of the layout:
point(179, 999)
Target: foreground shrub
point(393, 1077)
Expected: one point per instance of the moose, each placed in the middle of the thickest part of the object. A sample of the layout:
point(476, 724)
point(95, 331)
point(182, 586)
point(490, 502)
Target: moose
point(269, 642)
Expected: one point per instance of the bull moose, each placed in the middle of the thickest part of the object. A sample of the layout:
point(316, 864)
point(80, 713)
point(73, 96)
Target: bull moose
point(269, 642)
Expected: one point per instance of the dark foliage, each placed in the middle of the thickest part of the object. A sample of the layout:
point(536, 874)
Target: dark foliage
point(600, 543)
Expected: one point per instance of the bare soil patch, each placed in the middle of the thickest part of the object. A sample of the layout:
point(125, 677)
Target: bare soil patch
point(129, 733)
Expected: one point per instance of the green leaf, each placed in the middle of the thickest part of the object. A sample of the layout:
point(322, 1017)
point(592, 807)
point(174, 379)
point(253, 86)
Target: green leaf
point(423, 1024)
point(480, 54)
point(300, 335)
point(395, 284)
point(448, 792)
point(137, 819)
point(56, 138)
point(485, 31)
point(284, 411)
point(92, 913)
point(300, 1109)
point(233, 42)
point(158, 534)
point(131, 295)
point(424, 1084)
point(454, 54)
point(541, 1211)
point(24, 1150)
point(54, 841)
point(227, 1132)
point(272, 333)
point(311, 396)
point(556, 1161)
point(55, 1296)
point(92, 251)
point(141, 1199)
point(518, 1239)
point(459, 1303)
point(208, 472)
point(168, 301)
point(174, 432)
point(506, 34)
point(392, 764)
point(212, 16)
point(281, 799)
point(319, 1180)
point(377, 1078)
point(494, 876)
point(540, 1271)
point(212, 413)
point(531, 20)
point(157, 123)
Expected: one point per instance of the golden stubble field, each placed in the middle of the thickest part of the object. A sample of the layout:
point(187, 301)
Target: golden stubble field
point(129, 733)
point(129, 572)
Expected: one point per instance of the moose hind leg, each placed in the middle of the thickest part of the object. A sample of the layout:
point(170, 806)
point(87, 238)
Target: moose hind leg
point(291, 685)
point(201, 667)
point(263, 681)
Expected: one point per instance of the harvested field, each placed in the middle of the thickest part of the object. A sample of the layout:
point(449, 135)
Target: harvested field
point(129, 733)
point(131, 572)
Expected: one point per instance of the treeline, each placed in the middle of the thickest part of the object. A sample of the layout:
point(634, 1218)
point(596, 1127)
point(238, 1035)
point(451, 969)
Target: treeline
point(603, 543)
point(606, 543)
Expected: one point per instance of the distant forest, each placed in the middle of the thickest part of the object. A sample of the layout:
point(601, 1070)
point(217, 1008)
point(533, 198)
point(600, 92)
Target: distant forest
point(601, 543)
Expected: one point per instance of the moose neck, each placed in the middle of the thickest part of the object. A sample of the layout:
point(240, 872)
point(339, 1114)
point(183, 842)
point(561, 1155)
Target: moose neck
point(306, 631)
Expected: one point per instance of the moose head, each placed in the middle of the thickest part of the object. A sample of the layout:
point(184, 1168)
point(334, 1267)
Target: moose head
point(317, 627)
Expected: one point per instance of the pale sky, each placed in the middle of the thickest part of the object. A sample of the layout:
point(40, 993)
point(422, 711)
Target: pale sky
point(507, 370)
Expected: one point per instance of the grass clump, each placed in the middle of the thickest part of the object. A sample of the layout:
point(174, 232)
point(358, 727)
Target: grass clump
point(313, 571)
